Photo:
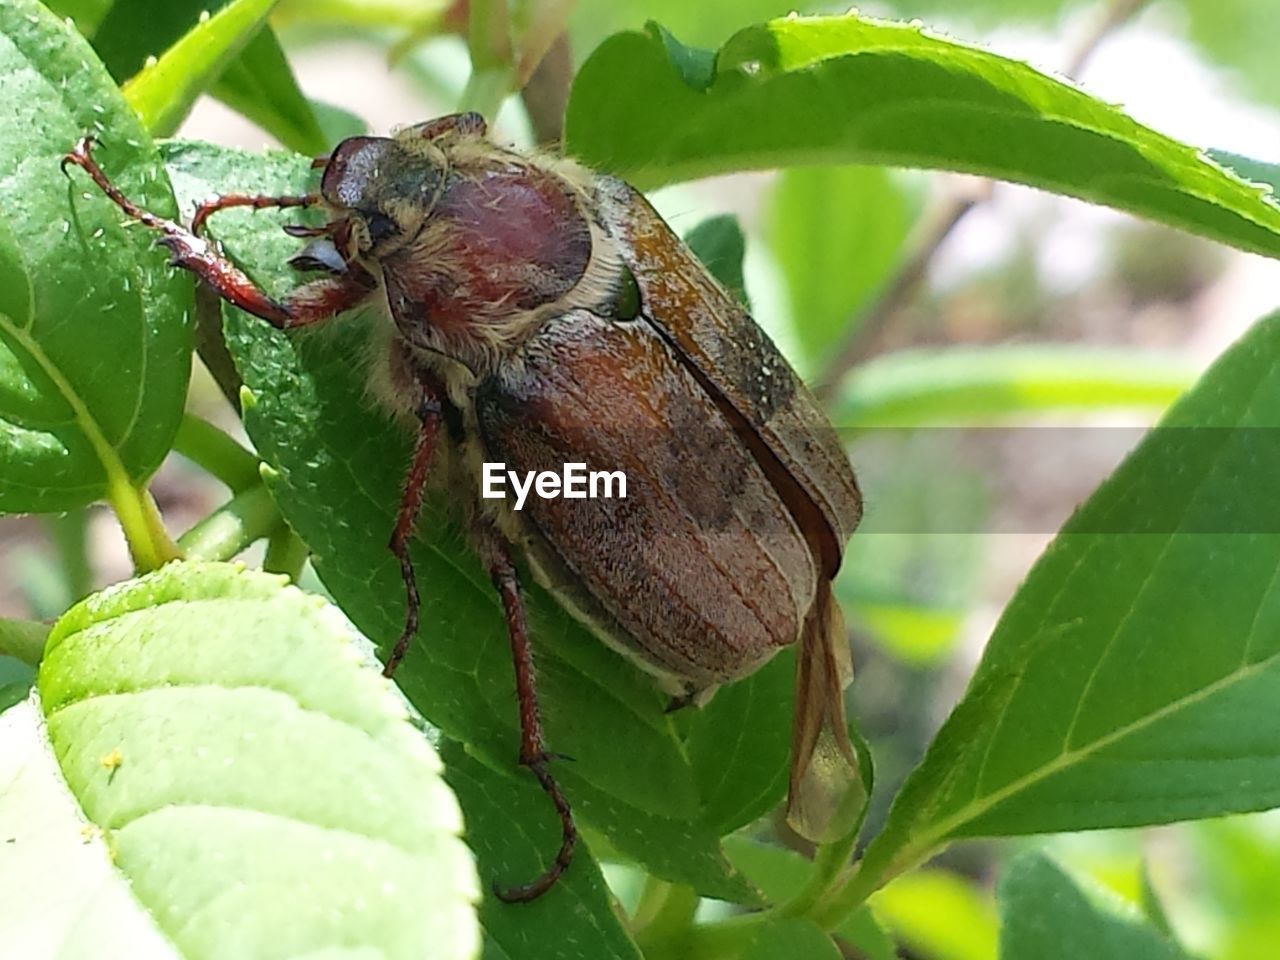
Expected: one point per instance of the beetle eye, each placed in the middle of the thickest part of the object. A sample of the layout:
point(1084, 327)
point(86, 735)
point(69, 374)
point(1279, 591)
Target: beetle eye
point(626, 302)
point(380, 226)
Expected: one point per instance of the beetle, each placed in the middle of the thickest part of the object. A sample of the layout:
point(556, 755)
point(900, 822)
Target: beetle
point(538, 313)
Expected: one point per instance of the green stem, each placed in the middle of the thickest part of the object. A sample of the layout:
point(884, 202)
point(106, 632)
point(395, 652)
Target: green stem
point(489, 43)
point(724, 940)
point(485, 91)
point(359, 13)
point(23, 640)
point(664, 917)
point(144, 532)
point(828, 865)
point(69, 533)
point(215, 451)
point(865, 878)
point(245, 518)
point(286, 553)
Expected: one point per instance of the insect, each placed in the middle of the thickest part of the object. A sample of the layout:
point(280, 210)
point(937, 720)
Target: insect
point(538, 314)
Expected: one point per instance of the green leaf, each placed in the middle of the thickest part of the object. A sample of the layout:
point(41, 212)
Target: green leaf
point(912, 572)
point(85, 14)
point(94, 339)
point(254, 781)
point(23, 640)
point(258, 82)
point(721, 246)
point(337, 124)
point(844, 89)
point(940, 915)
point(1131, 679)
point(162, 92)
point(338, 468)
point(788, 939)
point(132, 31)
point(740, 744)
point(575, 919)
point(1044, 914)
point(956, 385)
point(1236, 861)
point(1237, 34)
point(1257, 171)
point(17, 677)
point(1152, 905)
point(836, 232)
point(672, 848)
point(781, 874)
point(705, 22)
point(697, 68)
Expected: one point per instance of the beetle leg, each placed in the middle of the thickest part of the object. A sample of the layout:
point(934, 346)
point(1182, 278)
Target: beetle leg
point(310, 303)
point(533, 751)
point(415, 482)
point(210, 207)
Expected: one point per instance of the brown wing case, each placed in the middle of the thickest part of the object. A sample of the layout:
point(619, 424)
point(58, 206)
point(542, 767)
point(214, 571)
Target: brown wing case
point(701, 569)
point(735, 362)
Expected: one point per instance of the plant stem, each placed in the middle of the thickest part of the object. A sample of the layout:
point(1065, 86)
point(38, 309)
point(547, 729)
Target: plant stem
point(489, 43)
point(485, 91)
point(144, 532)
point(248, 516)
point(722, 940)
point(664, 917)
point(69, 533)
point(863, 333)
point(286, 553)
point(215, 451)
point(358, 13)
point(828, 864)
point(23, 640)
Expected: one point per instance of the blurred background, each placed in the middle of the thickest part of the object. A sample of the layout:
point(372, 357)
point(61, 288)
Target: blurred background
point(989, 352)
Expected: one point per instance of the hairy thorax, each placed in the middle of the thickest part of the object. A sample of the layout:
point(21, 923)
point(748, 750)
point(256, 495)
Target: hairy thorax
point(504, 247)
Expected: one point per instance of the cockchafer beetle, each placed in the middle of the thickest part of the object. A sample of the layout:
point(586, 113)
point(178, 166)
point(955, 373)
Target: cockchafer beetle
point(545, 314)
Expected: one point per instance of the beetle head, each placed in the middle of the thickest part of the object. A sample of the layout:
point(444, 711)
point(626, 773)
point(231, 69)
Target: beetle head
point(385, 191)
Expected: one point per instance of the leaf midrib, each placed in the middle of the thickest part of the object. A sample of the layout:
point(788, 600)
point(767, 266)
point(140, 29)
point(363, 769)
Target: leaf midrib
point(117, 477)
point(942, 829)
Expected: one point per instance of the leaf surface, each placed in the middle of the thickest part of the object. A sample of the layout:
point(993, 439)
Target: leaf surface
point(846, 89)
point(258, 788)
point(1045, 914)
point(94, 338)
point(1132, 678)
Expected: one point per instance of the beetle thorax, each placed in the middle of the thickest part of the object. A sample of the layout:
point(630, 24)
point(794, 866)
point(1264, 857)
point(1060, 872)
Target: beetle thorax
point(505, 241)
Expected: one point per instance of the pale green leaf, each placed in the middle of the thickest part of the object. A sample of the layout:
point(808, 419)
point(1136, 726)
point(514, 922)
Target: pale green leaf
point(259, 789)
point(960, 385)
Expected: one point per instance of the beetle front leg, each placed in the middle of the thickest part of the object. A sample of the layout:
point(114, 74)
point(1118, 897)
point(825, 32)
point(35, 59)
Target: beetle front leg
point(227, 201)
point(310, 303)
